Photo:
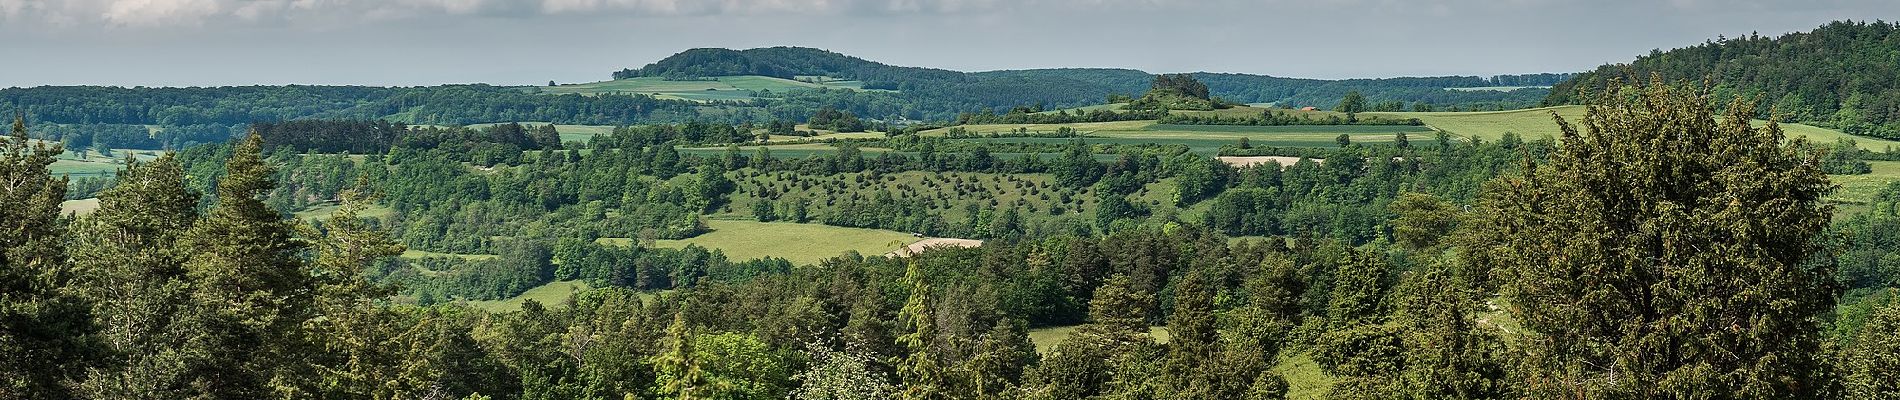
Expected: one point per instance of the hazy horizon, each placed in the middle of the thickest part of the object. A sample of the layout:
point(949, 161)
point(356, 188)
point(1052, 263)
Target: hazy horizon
point(520, 42)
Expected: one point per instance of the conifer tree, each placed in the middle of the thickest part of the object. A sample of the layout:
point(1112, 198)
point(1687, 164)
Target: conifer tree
point(923, 375)
point(45, 329)
point(1660, 254)
point(252, 291)
point(131, 265)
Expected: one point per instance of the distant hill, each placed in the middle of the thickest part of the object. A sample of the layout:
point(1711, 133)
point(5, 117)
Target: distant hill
point(1070, 87)
point(1841, 75)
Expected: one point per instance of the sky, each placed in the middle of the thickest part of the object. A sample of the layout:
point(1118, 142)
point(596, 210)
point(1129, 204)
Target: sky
point(516, 42)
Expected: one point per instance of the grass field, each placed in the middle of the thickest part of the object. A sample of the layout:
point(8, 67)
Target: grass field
point(801, 243)
point(1536, 123)
point(721, 89)
point(77, 168)
point(551, 294)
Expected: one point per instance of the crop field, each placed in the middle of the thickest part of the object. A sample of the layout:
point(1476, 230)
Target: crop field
point(723, 88)
point(802, 244)
point(1537, 123)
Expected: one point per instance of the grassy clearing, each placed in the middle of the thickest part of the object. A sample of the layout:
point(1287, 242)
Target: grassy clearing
point(1857, 190)
point(551, 294)
point(801, 243)
point(1046, 339)
point(1304, 379)
point(77, 168)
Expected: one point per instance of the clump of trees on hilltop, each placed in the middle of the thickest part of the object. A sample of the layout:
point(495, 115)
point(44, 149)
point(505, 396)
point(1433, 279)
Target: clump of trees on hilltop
point(1177, 92)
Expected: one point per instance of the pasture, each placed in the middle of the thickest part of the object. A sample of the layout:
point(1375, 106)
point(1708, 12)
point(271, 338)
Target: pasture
point(802, 244)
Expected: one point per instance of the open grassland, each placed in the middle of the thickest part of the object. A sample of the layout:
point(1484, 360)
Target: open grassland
point(782, 151)
point(78, 168)
point(718, 89)
point(1537, 123)
point(551, 294)
point(800, 243)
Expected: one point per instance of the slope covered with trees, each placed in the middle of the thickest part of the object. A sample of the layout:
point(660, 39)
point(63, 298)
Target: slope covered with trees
point(1839, 75)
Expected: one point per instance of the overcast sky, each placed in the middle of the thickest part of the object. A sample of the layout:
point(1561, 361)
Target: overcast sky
point(428, 42)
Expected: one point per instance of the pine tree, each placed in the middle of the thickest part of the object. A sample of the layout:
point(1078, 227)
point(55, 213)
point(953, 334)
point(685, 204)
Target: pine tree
point(1661, 254)
point(680, 376)
point(251, 289)
point(132, 267)
point(45, 330)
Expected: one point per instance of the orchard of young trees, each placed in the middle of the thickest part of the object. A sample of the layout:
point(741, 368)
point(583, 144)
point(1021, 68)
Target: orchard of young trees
point(1654, 250)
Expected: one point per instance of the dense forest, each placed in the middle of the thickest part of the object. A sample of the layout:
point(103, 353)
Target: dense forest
point(1839, 75)
point(1652, 251)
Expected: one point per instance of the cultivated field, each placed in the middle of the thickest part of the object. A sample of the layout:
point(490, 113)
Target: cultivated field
point(800, 243)
point(79, 207)
point(948, 194)
point(569, 133)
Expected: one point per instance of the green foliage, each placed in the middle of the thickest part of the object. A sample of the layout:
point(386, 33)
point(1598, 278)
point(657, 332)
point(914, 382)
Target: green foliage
point(1872, 361)
point(129, 262)
point(1665, 249)
point(1834, 76)
point(1843, 158)
point(45, 330)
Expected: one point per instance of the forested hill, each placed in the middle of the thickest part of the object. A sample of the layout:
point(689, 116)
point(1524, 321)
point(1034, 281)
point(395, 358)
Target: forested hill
point(1077, 86)
point(1841, 75)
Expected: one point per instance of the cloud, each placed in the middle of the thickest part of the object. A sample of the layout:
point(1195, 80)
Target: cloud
point(174, 13)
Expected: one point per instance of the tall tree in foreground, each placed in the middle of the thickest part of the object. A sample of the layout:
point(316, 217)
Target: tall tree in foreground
point(1659, 255)
point(251, 288)
point(44, 329)
point(131, 267)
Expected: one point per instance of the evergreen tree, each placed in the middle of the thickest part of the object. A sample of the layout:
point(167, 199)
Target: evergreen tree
point(923, 375)
point(131, 265)
point(46, 339)
point(1661, 254)
point(252, 290)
